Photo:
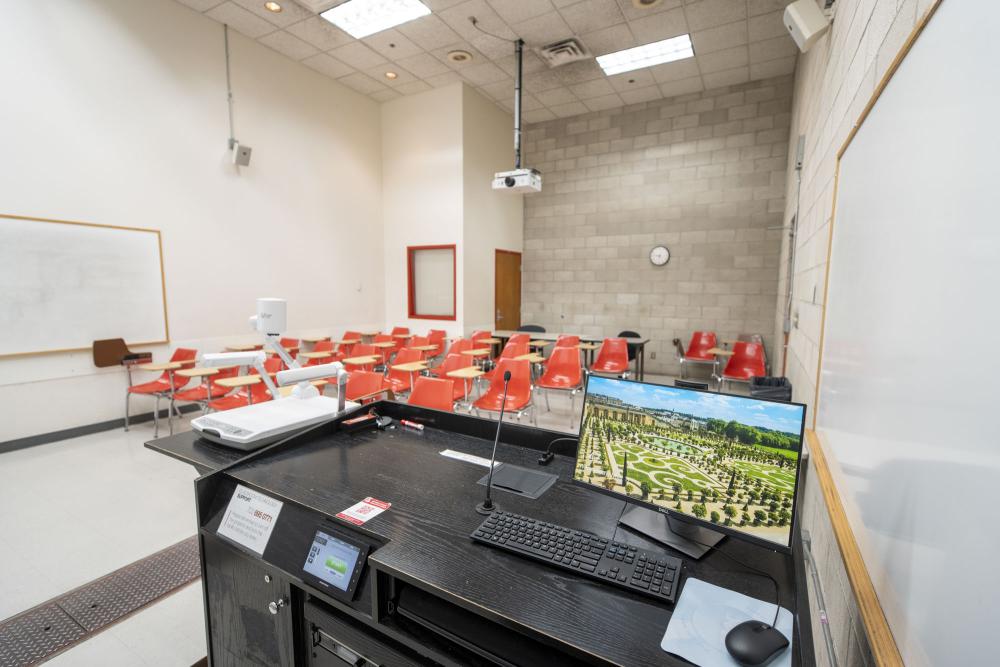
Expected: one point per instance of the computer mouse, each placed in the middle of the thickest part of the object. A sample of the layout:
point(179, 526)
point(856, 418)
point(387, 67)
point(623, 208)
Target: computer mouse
point(755, 643)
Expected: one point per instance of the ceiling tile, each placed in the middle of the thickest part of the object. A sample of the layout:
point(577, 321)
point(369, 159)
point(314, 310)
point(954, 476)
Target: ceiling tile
point(384, 95)
point(515, 11)
point(443, 79)
point(492, 47)
point(290, 12)
point(529, 65)
point(609, 40)
point(659, 26)
point(710, 13)
point(578, 72)
point(458, 18)
point(729, 77)
point(327, 64)
point(201, 5)
point(718, 38)
point(423, 65)
point(764, 6)
point(544, 80)
point(241, 20)
point(415, 87)
point(528, 103)
point(438, 5)
point(289, 45)
point(392, 44)
point(320, 33)
point(591, 15)
point(771, 49)
point(362, 83)
point(682, 87)
point(483, 73)
point(738, 56)
point(766, 26)
point(771, 68)
point(442, 55)
point(675, 71)
point(631, 12)
point(402, 76)
point(639, 78)
point(501, 90)
point(604, 102)
point(570, 109)
point(543, 30)
point(429, 32)
point(539, 116)
point(358, 55)
point(556, 96)
point(637, 95)
point(594, 88)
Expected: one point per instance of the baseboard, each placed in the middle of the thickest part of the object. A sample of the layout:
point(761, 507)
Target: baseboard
point(77, 431)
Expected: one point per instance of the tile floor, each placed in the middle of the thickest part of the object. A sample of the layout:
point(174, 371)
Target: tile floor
point(76, 510)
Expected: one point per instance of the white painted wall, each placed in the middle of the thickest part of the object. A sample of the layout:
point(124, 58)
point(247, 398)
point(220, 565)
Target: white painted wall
point(421, 193)
point(114, 112)
point(491, 219)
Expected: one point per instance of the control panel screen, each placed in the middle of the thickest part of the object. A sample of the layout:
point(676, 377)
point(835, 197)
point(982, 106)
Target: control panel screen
point(332, 560)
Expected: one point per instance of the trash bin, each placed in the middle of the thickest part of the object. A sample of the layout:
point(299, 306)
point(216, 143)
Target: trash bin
point(774, 388)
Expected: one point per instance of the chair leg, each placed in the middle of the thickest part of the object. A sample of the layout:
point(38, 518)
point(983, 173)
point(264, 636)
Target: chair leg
point(548, 408)
point(572, 407)
point(156, 415)
point(127, 396)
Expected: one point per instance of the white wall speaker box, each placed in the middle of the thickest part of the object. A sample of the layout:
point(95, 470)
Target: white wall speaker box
point(805, 22)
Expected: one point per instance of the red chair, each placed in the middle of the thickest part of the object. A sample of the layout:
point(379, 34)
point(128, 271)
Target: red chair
point(747, 362)
point(567, 341)
point(367, 386)
point(419, 341)
point(612, 358)
point(519, 338)
point(323, 346)
point(511, 350)
point(698, 351)
point(400, 342)
point(562, 373)
point(433, 393)
point(478, 336)
point(346, 349)
point(460, 345)
point(454, 362)
point(385, 352)
point(249, 394)
point(362, 350)
point(203, 393)
point(164, 386)
point(400, 380)
point(436, 337)
point(518, 390)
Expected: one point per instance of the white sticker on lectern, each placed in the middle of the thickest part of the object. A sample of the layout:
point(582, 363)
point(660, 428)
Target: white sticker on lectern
point(367, 509)
point(250, 518)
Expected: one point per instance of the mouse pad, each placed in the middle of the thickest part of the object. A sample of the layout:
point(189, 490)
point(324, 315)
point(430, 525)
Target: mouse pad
point(705, 614)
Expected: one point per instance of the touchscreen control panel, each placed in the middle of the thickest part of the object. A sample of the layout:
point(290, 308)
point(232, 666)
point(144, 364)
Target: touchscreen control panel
point(335, 562)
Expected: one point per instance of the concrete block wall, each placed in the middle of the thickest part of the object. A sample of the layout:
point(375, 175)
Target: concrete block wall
point(703, 174)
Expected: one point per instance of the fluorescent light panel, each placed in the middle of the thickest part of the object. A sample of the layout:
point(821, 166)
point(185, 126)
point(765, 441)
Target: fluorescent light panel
point(360, 18)
point(647, 55)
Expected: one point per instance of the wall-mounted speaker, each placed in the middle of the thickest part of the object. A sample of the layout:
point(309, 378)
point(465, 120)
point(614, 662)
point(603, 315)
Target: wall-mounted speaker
point(805, 22)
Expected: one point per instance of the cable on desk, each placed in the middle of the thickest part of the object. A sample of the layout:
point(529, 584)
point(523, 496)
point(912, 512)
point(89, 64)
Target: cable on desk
point(547, 457)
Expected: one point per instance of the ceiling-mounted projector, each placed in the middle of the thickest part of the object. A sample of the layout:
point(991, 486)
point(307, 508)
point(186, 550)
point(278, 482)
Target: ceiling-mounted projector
point(519, 180)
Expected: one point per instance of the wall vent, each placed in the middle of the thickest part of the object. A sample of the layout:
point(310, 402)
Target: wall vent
point(563, 52)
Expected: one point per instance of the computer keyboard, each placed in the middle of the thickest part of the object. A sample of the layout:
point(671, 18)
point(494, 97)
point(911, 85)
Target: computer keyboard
point(622, 565)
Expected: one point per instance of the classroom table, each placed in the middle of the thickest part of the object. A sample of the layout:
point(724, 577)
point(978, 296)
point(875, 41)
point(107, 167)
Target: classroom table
point(361, 361)
point(347, 341)
point(533, 357)
point(402, 335)
point(423, 348)
point(314, 339)
point(384, 344)
point(638, 341)
point(241, 381)
point(411, 368)
point(539, 343)
point(368, 336)
point(316, 355)
point(466, 374)
point(718, 352)
point(244, 347)
point(201, 372)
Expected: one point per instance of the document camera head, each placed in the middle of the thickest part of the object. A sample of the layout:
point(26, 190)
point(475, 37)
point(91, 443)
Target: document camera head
point(271, 318)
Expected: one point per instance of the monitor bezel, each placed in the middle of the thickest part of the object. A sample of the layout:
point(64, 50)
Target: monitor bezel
point(686, 518)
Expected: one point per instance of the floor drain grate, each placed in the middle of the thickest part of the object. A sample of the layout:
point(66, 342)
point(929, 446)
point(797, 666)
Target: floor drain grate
point(58, 624)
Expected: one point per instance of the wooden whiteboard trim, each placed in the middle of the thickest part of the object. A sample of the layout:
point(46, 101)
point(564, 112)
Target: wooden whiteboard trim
point(163, 284)
point(877, 629)
point(884, 648)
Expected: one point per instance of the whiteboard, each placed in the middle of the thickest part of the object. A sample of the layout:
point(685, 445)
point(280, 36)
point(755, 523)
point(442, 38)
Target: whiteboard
point(65, 284)
point(908, 407)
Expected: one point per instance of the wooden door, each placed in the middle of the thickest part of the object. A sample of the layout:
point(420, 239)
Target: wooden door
point(507, 286)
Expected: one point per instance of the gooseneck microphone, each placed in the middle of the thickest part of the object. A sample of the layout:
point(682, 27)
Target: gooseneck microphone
point(487, 506)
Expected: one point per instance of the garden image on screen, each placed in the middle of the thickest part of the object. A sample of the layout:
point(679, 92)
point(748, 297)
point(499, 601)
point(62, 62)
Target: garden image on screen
point(727, 460)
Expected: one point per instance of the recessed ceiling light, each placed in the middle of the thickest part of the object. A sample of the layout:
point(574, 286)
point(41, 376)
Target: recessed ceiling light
point(647, 55)
point(645, 4)
point(391, 75)
point(459, 56)
point(272, 7)
point(360, 18)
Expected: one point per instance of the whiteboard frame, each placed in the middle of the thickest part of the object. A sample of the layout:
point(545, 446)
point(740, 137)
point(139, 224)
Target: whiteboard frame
point(163, 283)
point(880, 638)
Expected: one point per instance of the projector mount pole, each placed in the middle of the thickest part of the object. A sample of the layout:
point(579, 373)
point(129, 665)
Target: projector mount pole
point(518, 49)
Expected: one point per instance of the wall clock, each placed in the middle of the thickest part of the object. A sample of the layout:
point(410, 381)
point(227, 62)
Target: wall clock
point(659, 255)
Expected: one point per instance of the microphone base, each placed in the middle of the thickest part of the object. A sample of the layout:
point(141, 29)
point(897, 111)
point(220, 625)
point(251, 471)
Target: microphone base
point(482, 508)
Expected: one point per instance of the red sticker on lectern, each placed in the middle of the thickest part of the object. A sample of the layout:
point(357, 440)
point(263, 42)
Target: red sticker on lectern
point(367, 509)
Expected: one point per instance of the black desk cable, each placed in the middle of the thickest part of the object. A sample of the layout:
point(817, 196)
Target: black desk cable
point(547, 457)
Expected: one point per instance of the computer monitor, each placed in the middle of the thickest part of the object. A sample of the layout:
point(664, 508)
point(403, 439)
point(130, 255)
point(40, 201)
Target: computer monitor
point(717, 461)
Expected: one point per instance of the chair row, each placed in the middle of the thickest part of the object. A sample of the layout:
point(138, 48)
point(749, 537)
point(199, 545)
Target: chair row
point(746, 359)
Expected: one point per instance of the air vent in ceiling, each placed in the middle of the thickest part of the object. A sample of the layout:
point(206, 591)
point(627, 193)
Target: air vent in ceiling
point(563, 52)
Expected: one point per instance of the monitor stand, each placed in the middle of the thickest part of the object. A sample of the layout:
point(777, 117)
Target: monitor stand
point(691, 540)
